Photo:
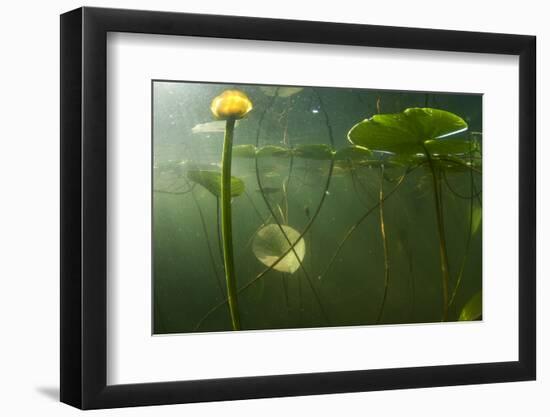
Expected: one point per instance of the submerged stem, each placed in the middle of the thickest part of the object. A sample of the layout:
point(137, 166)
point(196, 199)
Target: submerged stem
point(219, 229)
point(444, 259)
point(227, 233)
point(355, 226)
point(473, 194)
point(384, 244)
point(269, 268)
point(292, 244)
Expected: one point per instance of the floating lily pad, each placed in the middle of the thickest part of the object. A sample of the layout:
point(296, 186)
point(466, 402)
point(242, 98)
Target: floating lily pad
point(406, 132)
point(353, 153)
point(405, 159)
point(273, 151)
point(217, 126)
point(270, 244)
point(473, 309)
point(212, 181)
point(449, 146)
point(281, 91)
point(318, 152)
point(244, 151)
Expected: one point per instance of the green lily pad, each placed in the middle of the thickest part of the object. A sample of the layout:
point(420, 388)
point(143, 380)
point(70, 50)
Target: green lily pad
point(271, 91)
point(318, 152)
point(405, 159)
point(273, 151)
point(244, 151)
point(449, 146)
point(406, 132)
point(352, 153)
point(212, 181)
point(473, 309)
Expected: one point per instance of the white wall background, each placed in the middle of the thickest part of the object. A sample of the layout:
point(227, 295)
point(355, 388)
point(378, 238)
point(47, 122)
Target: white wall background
point(29, 237)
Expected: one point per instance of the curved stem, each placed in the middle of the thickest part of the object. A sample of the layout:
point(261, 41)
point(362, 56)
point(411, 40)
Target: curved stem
point(292, 244)
point(460, 163)
point(269, 268)
point(227, 233)
point(456, 193)
point(327, 120)
point(444, 259)
point(355, 226)
point(384, 244)
point(473, 193)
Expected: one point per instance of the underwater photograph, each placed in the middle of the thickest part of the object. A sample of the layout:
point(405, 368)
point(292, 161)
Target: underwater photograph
point(291, 207)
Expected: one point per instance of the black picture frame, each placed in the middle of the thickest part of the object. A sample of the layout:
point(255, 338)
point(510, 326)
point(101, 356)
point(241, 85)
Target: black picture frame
point(84, 207)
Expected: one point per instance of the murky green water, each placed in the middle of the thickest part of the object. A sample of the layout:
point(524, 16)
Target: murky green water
point(373, 250)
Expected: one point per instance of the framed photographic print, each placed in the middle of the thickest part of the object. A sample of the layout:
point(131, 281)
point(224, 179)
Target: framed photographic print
point(258, 208)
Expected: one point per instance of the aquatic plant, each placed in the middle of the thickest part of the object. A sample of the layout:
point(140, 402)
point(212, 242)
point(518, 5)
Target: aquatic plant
point(212, 181)
point(280, 91)
point(284, 152)
point(390, 267)
point(419, 133)
point(230, 106)
point(270, 243)
point(472, 309)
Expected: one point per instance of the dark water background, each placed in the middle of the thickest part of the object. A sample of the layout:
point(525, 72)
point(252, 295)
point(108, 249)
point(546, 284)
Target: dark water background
point(187, 276)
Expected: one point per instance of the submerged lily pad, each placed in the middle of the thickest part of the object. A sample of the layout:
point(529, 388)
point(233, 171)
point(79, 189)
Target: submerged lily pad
point(244, 151)
point(473, 309)
point(273, 151)
point(318, 152)
point(406, 132)
point(212, 181)
point(270, 244)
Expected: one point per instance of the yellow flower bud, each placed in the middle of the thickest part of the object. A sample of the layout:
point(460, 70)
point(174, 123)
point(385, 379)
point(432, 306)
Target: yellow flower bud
point(231, 104)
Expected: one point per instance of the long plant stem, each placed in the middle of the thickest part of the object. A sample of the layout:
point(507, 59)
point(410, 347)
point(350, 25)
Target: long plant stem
point(219, 229)
point(473, 193)
point(274, 264)
point(384, 244)
point(356, 225)
point(444, 259)
point(227, 233)
point(292, 244)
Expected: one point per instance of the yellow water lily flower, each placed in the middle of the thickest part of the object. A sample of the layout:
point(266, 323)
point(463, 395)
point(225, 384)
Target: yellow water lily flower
point(231, 104)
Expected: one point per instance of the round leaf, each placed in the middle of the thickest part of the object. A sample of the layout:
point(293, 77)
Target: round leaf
point(318, 152)
point(438, 147)
point(280, 91)
point(212, 181)
point(405, 133)
point(473, 309)
point(270, 244)
point(244, 151)
point(353, 153)
point(273, 151)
